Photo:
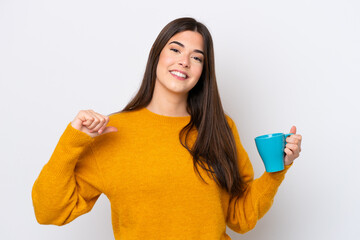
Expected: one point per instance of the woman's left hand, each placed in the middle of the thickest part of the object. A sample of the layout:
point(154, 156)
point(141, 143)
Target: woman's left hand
point(292, 147)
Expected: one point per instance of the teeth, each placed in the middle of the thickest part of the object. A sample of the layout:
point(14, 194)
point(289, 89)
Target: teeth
point(179, 74)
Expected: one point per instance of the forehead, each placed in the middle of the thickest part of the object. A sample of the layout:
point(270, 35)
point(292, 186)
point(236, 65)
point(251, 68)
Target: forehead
point(189, 39)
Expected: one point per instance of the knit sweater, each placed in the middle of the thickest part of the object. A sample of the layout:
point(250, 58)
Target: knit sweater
point(149, 179)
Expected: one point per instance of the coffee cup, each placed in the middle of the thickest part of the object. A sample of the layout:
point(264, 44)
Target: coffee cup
point(271, 149)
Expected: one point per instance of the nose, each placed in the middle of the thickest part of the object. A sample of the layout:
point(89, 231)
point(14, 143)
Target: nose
point(184, 62)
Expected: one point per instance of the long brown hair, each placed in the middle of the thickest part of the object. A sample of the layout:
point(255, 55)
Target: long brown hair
point(214, 146)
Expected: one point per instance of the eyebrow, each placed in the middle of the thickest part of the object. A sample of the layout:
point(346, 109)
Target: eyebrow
point(182, 45)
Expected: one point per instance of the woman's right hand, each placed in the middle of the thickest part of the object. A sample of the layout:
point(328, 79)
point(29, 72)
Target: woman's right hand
point(92, 123)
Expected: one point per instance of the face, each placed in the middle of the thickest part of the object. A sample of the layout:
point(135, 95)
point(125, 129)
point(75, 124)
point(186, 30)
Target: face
point(180, 63)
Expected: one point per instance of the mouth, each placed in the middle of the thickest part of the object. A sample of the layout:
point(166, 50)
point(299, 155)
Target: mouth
point(179, 75)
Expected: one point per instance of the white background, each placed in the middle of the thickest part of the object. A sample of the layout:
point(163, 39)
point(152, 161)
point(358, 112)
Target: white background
point(278, 63)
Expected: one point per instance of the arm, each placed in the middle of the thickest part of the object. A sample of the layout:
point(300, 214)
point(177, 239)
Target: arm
point(244, 212)
point(69, 184)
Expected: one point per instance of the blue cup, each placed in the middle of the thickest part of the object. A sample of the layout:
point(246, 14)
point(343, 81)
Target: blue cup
point(271, 149)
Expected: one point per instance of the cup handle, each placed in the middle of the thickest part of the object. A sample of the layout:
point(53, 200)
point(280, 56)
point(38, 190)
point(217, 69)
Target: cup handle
point(286, 135)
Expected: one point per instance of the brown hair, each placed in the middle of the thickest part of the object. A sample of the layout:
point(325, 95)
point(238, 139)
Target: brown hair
point(214, 145)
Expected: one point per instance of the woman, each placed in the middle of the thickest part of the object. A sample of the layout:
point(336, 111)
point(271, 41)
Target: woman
point(171, 162)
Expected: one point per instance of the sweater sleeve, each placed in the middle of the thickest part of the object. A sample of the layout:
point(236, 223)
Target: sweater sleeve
point(70, 183)
point(244, 212)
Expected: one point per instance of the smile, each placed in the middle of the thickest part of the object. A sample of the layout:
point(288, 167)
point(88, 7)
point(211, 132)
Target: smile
point(179, 74)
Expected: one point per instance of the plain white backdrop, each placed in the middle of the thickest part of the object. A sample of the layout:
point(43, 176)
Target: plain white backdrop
point(278, 63)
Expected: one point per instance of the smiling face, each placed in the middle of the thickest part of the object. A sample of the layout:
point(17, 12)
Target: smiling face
point(180, 64)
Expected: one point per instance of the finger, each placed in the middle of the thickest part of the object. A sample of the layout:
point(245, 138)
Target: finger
point(296, 139)
point(83, 116)
point(102, 122)
point(87, 118)
point(299, 137)
point(101, 130)
point(293, 147)
point(110, 129)
point(292, 139)
point(95, 121)
point(293, 130)
point(290, 155)
point(288, 152)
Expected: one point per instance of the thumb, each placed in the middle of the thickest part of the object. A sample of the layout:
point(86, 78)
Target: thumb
point(109, 129)
point(293, 130)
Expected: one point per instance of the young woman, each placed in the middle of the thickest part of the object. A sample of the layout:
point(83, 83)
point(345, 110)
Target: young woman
point(171, 162)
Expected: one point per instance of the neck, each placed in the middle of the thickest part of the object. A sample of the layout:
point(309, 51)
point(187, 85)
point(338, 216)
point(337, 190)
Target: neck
point(168, 105)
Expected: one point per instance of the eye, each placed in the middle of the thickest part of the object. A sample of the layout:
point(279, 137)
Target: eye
point(198, 59)
point(174, 49)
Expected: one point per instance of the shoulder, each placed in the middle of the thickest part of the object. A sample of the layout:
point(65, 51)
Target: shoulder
point(230, 121)
point(123, 122)
point(123, 117)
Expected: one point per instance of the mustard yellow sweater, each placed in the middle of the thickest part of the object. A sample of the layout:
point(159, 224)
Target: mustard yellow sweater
point(149, 178)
